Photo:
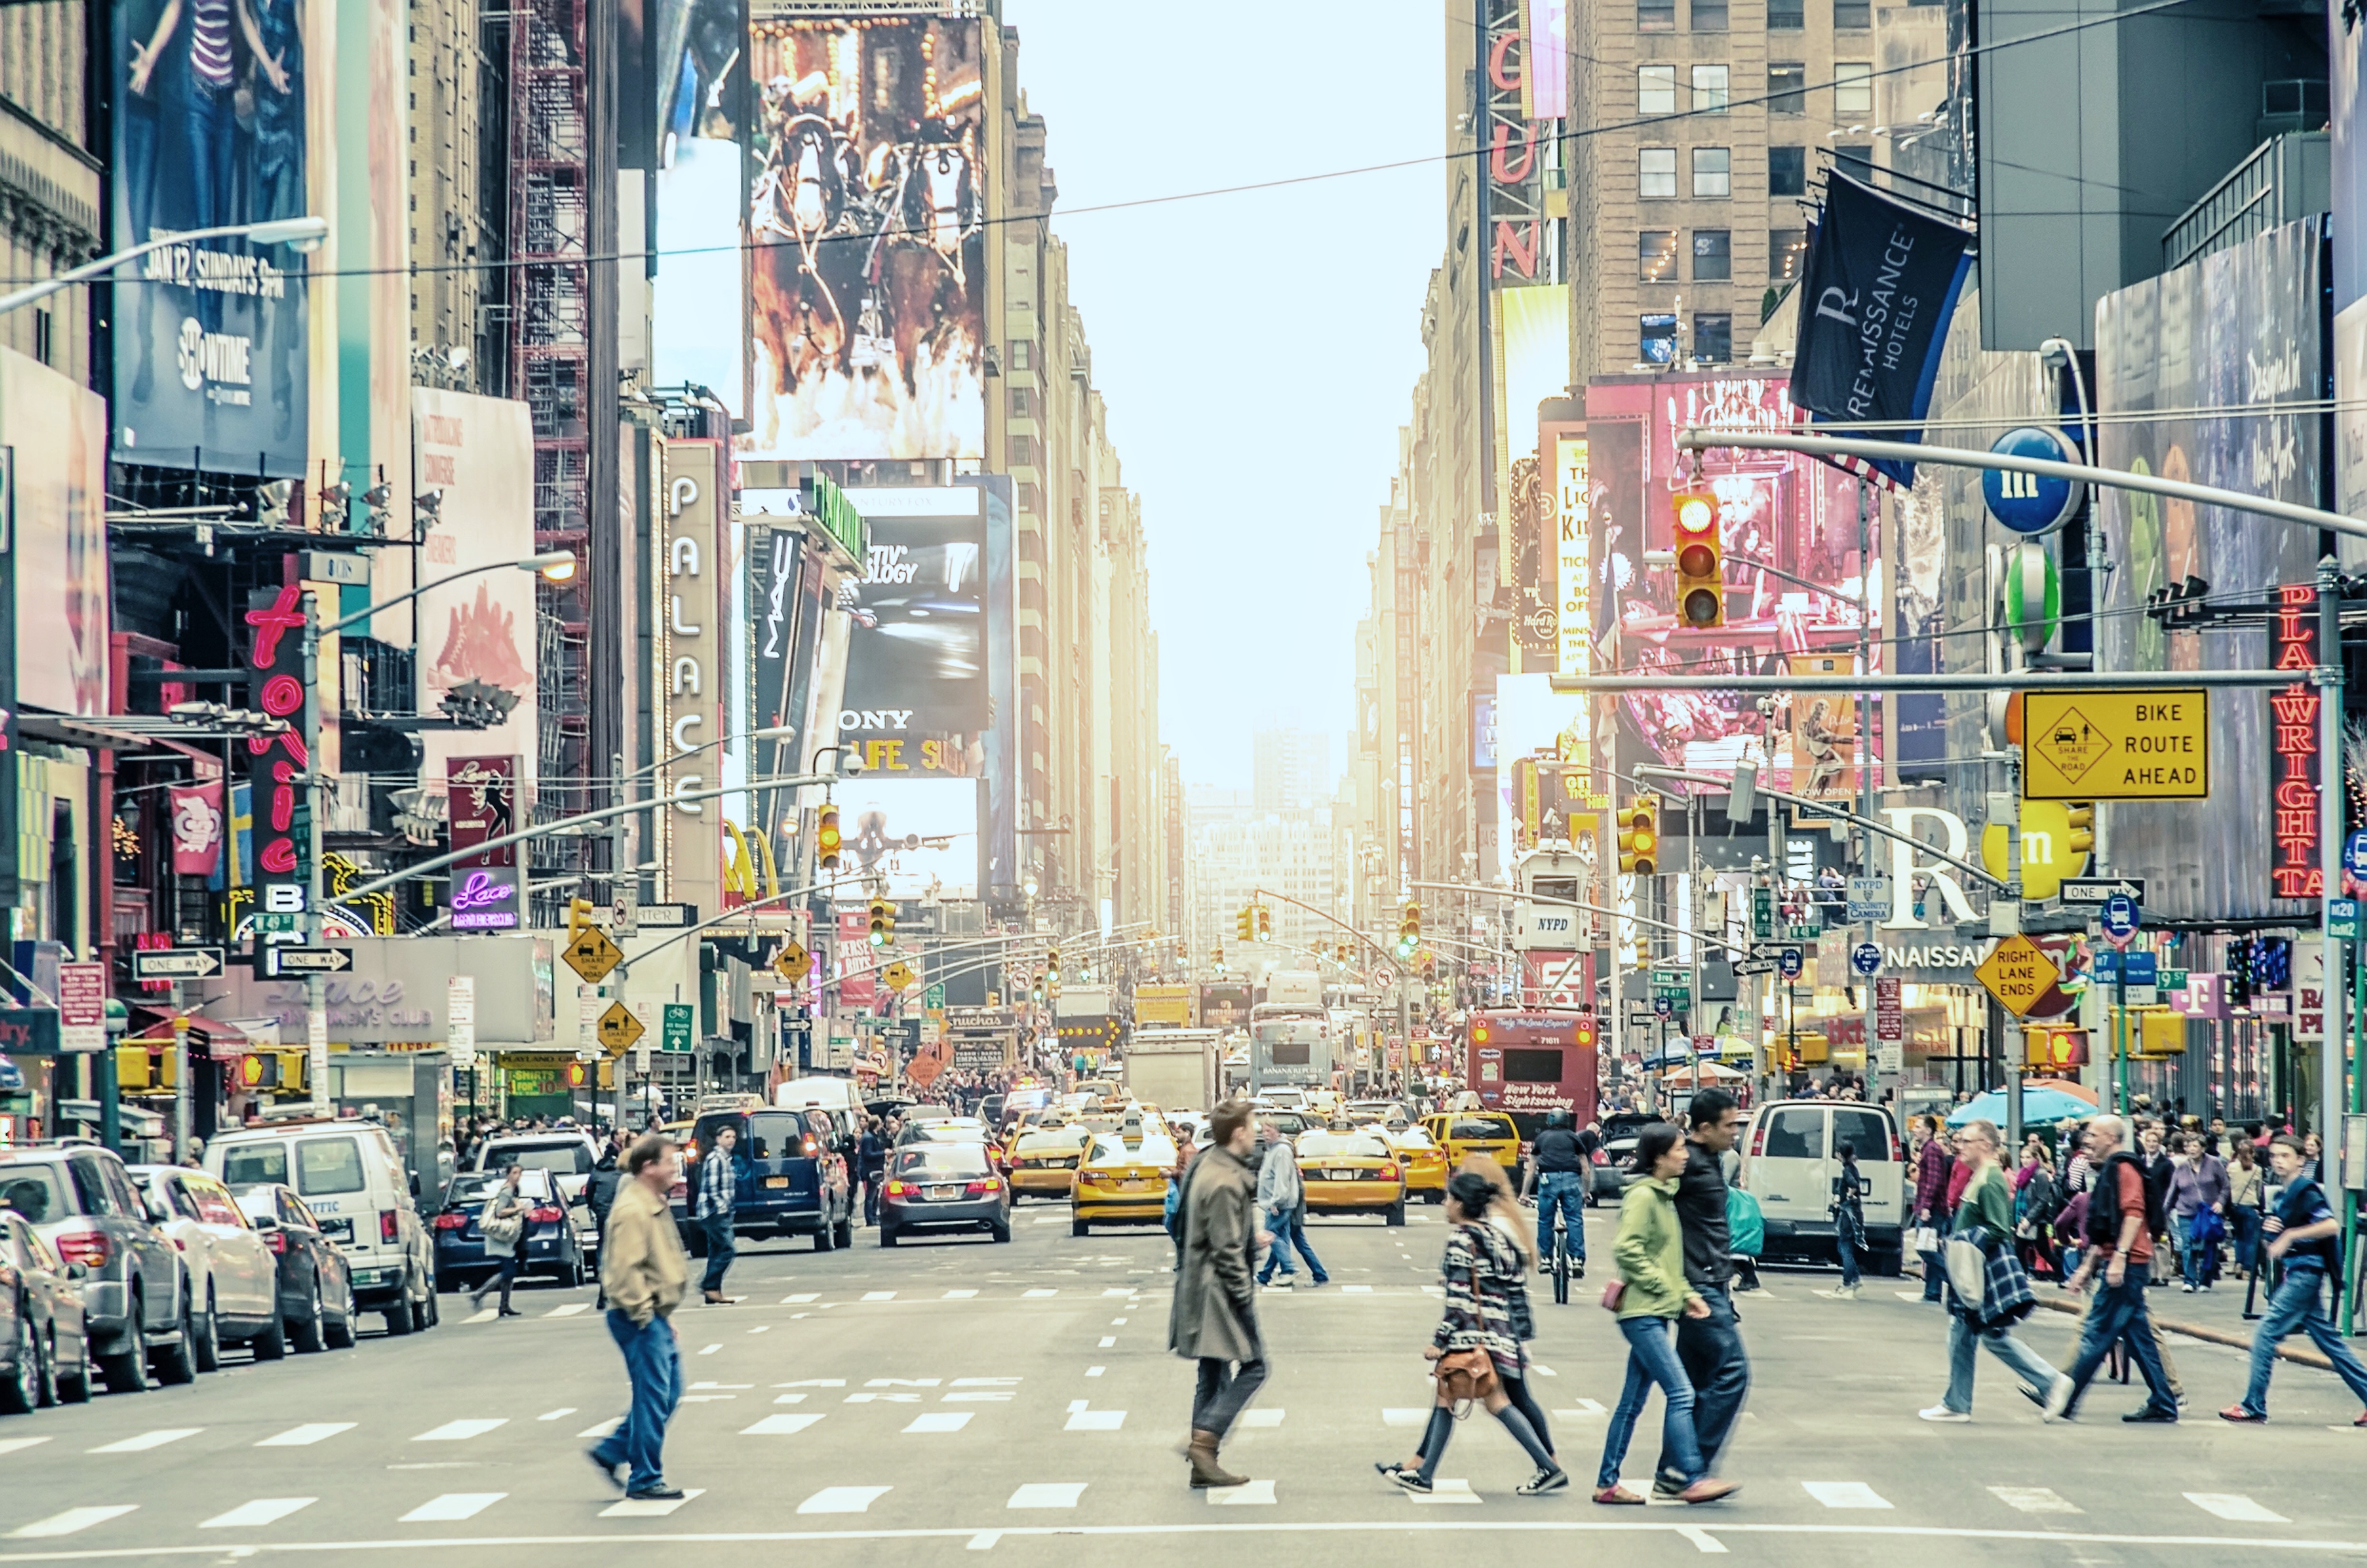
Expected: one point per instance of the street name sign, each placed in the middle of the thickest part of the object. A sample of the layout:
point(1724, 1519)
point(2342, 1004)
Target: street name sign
point(592, 955)
point(2018, 973)
point(2116, 746)
point(2100, 889)
point(2342, 919)
point(176, 963)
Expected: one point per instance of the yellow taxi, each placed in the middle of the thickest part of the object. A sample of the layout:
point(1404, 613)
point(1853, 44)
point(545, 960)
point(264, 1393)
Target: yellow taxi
point(1351, 1173)
point(1042, 1161)
point(1423, 1162)
point(1463, 1133)
point(1124, 1175)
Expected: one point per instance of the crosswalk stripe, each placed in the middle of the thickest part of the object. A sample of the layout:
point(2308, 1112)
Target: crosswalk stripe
point(602, 1428)
point(483, 1314)
point(1356, 1290)
point(452, 1506)
point(10, 1445)
point(843, 1500)
point(1449, 1492)
point(2235, 1506)
point(147, 1440)
point(879, 1295)
point(1037, 1295)
point(1261, 1417)
point(649, 1507)
point(801, 1297)
point(1095, 1421)
point(779, 1426)
point(1118, 1292)
point(941, 1421)
point(304, 1436)
point(262, 1511)
point(1107, 1340)
point(1248, 1493)
point(462, 1431)
point(960, 1295)
point(1402, 1418)
point(560, 1413)
point(2035, 1499)
point(1048, 1495)
point(71, 1521)
point(569, 1310)
point(1844, 1494)
point(1585, 1407)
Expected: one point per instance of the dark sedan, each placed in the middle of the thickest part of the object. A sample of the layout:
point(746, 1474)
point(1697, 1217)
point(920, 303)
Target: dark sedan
point(316, 1284)
point(1611, 1175)
point(552, 1248)
point(943, 1186)
point(47, 1347)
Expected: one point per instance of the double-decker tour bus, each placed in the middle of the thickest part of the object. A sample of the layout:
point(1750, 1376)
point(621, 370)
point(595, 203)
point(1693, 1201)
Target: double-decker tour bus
point(1526, 1064)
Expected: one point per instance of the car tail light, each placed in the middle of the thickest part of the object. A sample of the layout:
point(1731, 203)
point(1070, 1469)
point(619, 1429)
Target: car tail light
point(1601, 1158)
point(546, 1214)
point(980, 1188)
point(1758, 1138)
point(809, 1146)
point(451, 1222)
point(276, 1240)
point(386, 1226)
point(87, 1247)
point(180, 1245)
point(899, 1188)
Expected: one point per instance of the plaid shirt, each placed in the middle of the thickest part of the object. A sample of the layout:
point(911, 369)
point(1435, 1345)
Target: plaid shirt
point(714, 1186)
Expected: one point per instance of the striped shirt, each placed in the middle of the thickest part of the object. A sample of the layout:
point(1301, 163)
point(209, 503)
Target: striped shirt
point(210, 41)
point(1478, 1271)
point(715, 1185)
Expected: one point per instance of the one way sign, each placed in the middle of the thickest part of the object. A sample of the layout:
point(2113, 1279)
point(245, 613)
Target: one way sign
point(2101, 890)
point(283, 960)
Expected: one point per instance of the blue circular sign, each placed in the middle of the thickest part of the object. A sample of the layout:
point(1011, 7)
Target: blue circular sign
point(1791, 962)
point(2355, 854)
point(2029, 503)
point(2121, 918)
point(1866, 959)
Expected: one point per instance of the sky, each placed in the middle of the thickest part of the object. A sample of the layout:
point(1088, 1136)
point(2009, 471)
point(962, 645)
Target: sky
point(1257, 351)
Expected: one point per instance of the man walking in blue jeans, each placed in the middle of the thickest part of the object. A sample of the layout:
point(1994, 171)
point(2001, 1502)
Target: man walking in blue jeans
point(1710, 1348)
point(1282, 1197)
point(2305, 1233)
point(2120, 1230)
point(1558, 1173)
point(642, 1273)
point(713, 1208)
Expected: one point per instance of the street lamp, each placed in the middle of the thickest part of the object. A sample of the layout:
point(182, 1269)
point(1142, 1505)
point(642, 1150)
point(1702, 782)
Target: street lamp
point(303, 235)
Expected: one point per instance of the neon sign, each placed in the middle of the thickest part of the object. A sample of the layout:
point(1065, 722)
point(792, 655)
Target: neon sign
point(2294, 778)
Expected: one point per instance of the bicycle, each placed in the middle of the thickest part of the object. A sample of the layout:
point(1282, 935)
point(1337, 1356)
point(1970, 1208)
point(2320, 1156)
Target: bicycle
point(1555, 1243)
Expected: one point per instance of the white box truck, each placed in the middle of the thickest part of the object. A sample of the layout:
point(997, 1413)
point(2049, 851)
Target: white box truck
point(1174, 1069)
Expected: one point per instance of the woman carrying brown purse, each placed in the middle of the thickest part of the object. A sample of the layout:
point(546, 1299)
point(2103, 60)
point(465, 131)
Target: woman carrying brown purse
point(1473, 1348)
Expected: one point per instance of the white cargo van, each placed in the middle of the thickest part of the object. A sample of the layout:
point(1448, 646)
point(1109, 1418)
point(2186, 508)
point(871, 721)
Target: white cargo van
point(1790, 1156)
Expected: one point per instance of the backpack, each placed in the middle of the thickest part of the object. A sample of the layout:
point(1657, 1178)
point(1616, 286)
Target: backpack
point(1746, 1229)
point(2103, 1229)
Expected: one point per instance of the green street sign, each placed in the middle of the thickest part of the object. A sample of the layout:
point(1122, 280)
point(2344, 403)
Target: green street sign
point(1762, 915)
point(674, 1033)
point(935, 998)
point(278, 923)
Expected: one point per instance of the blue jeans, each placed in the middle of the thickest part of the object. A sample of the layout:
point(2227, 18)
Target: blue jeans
point(721, 1248)
point(653, 1363)
point(1963, 1336)
point(1719, 1369)
point(2296, 1307)
point(1562, 1193)
point(1652, 1358)
point(2192, 1255)
point(2118, 1311)
point(1848, 1239)
point(1289, 1233)
point(1934, 1271)
point(2244, 1229)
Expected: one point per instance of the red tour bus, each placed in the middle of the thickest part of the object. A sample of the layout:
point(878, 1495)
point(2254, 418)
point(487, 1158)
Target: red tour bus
point(1527, 1063)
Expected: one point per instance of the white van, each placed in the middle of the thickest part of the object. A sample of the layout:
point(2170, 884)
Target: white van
point(350, 1177)
point(1789, 1161)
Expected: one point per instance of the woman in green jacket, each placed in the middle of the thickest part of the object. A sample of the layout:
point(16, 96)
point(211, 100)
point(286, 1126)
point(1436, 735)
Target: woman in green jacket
point(1984, 1215)
point(1650, 1256)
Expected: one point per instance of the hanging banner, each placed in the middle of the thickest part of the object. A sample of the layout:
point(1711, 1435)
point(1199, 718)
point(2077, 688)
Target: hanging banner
point(1875, 300)
point(197, 823)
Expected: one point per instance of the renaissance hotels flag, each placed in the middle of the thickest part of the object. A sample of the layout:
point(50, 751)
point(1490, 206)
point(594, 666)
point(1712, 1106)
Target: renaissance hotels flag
point(1877, 297)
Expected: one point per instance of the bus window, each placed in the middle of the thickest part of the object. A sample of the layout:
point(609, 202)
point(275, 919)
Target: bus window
point(1532, 1066)
point(1288, 1053)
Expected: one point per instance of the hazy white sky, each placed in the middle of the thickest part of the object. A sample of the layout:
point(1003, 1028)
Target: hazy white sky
point(1258, 352)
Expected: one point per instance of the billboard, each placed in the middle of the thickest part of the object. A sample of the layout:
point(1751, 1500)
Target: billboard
point(57, 433)
point(916, 662)
point(866, 224)
point(211, 346)
point(479, 452)
point(698, 188)
point(919, 834)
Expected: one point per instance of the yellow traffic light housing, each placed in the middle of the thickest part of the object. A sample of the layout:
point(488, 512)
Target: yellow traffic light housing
point(1264, 924)
point(826, 840)
point(1410, 930)
point(2081, 839)
point(1639, 836)
point(883, 922)
point(1701, 561)
point(1245, 923)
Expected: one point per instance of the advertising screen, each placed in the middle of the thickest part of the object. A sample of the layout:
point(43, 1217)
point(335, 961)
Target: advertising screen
point(866, 222)
point(698, 294)
point(479, 452)
point(210, 340)
point(916, 669)
point(920, 835)
point(56, 432)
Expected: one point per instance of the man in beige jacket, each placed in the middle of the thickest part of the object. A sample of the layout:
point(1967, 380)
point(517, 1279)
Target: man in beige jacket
point(643, 1272)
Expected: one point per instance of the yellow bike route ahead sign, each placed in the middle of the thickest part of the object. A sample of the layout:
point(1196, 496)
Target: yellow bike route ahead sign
point(2116, 746)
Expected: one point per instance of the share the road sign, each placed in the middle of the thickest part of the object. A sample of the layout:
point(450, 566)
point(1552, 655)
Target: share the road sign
point(2116, 746)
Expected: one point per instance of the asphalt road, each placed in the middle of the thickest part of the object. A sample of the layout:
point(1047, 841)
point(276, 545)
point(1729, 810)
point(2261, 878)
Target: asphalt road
point(954, 1397)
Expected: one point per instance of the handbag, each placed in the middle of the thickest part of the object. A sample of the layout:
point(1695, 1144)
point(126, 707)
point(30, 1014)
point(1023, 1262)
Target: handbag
point(502, 1231)
point(1467, 1375)
point(1967, 1270)
point(1922, 1238)
point(1612, 1294)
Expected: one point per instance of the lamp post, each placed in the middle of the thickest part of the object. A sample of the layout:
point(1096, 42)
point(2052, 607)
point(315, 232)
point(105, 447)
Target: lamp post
point(303, 235)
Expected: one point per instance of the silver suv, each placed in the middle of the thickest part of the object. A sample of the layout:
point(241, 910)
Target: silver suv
point(80, 1200)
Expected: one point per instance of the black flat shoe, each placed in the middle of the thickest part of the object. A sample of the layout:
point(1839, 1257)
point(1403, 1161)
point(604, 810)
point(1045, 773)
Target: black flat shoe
point(656, 1494)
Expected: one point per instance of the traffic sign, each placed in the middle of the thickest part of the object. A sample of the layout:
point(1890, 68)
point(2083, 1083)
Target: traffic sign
point(176, 963)
point(1866, 959)
point(591, 954)
point(1661, 1006)
point(1790, 961)
point(2342, 918)
point(1744, 968)
point(934, 998)
point(82, 1008)
point(618, 1028)
point(277, 959)
point(676, 1027)
point(2096, 889)
point(2121, 919)
point(2355, 854)
point(2032, 503)
point(2116, 746)
point(2018, 972)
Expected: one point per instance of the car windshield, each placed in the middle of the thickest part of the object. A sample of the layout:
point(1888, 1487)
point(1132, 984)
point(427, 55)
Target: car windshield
point(1109, 1148)
point(247, 1164)
point(477, 1187)
point(1358, 1146)
point(1058, 1140)
point(942, 1160)
point(325, 1166)
point(1479, 1127)
point(569, 1158)
point(33, 1191)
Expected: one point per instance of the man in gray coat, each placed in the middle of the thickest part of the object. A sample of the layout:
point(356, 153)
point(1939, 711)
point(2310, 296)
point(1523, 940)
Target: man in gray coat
point(1213, 1318)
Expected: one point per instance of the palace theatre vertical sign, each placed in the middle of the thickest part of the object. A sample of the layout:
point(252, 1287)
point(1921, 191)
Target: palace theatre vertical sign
point(2292, 714)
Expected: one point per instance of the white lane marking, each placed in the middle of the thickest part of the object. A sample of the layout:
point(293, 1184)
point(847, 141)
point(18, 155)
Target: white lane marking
point(1095, 1421)
point(452, 1506)
point(602, 1428)
point(984, 1541)
point(147, 1440)
point(1908, 1295)
point(1036, 1295)
point(710, 1349)
point(1355, 1290)
point(1261, 1417)
point(1107, 1340)
point(1541, 1369)
point(2033, 1499)
point(1048, 1495)
point(883, 1399)
point(1095, 1372)
point(941, 1421)
point(801, 1298)
point(262, 1511)
point(901, 1382)
point(706, 1398)
point(843, 1500)
point(1703, 1541)
point(72, 1520)
point(462, 1431)
point(980, 1396)
point(10, 1445)
point(649, 1508)
point(483, 1314)
point(788, 1398)
point(986, 1382)
point(779, 1426)
point(762, 1328)
point(1584, 1407)
point(1844, 1494)
point(1406, 1417)
point(960, 1295)
point(311, 1432)
point(560, 1413)
point(1117, 1323)
point(814, 1383)
point(2236, 1506)
point(569, 1310)
point(879, 1295)
point(695, 1387)
point(1249, 1494)
point(1447, 1492)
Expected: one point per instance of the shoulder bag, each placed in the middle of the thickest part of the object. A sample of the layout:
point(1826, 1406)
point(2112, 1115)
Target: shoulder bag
point(1467, 1375)
point(502, 1228)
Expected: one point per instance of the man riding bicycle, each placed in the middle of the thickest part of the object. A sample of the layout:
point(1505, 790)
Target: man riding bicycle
point(1560, 1166)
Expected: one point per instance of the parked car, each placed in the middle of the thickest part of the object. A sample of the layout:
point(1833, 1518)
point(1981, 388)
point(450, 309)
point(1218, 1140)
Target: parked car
point(315, 1283)
point(569, 1157)
point(135, 1290)
point(234, 1279)
point(1611, 1175)
point(1789, 1160)
point(943, 1186)
point(48, 1350)
point(353, 1181)
point(790, 1175)
point(552, 1246)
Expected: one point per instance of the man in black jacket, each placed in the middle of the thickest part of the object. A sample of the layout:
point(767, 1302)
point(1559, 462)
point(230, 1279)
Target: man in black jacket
point(1710, 1348)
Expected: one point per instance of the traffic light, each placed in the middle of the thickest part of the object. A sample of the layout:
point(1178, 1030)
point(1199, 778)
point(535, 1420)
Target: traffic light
point(1409, 930)
point(1264, 924)
point(1639, 836)
point(579, 914)
point(883, 922)
point(1245, 923)
point(2081, 839)
point(1701, 561)
point(1643, 954)
point(1052, 963)
point(1218, 957)
point(826, 839)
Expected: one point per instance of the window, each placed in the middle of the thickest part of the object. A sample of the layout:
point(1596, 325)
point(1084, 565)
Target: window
point(1866, 1132)
point(1857, 14)
point(1712, 255)
point(1786, 16)
point(325, 1166)
point(1786, 250)
point(1656, 89)
point(251, 1163)
point(1657, 339)
point(1656, 15)
point(1709, 15)
point(1532, 1066)
point(1787, 171)
point(1656, 255)
point(964, 1161)
point(1787, 85)
point(1021, 352)
point(1656, 171)
point(1795, 1133)
point(1712, 171)
point(1713, 336)
point(32, 1191)
point(1853, 86)
point(1020, 407)
point(1710, 89)
point(1023, 451)
point(1031, 498)
point(214, 1207)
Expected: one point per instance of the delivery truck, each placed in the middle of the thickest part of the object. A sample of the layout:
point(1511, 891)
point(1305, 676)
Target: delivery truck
point(1174, 1069)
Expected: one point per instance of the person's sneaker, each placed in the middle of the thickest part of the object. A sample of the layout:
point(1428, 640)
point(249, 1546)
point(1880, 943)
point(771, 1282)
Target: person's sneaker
point(658, 1493)
point(1941, 1413)
point(1411, 1480)
point(2244, 1417)
point(611, 1474)
point(2058, 1398)
point(1707, 1490)
point(2150, 1414)
point(1665, 1486)
point(1551, 1479)
point(2362, 1419)
point(1845, 1293)
point(2187, 1289)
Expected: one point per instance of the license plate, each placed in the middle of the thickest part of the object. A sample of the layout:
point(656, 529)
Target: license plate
point(776, 1183)
point(940, 1192)
point(1340, 1175)
point(341, 1230)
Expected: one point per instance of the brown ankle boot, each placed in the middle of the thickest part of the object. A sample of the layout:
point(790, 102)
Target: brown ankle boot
point(1206, 1470)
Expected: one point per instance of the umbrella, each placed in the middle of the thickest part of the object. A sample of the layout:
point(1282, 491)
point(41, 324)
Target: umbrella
point(1703, 1070)
point(2038, 1105)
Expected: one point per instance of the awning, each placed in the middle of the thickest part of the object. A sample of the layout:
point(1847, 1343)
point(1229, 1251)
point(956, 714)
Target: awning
point(211, 1036)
